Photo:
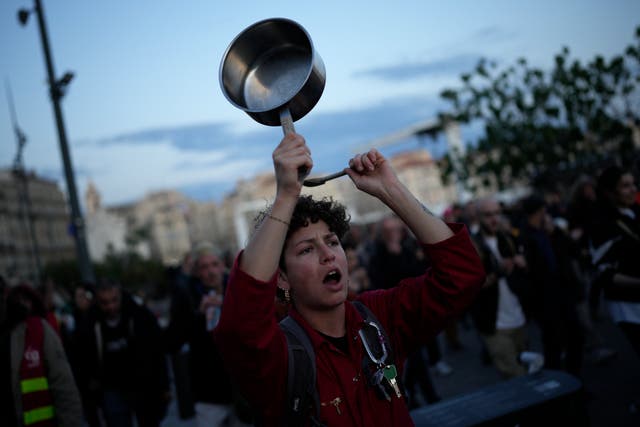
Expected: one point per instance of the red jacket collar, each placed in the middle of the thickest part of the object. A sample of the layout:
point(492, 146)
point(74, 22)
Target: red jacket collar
point(354, 323)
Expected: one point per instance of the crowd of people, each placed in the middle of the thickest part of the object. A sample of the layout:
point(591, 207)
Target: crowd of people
point(554, 264)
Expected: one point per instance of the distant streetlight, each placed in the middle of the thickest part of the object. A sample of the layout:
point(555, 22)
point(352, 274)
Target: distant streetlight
point(57, 89)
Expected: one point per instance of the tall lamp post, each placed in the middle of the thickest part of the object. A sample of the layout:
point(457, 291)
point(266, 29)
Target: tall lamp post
point(57, 89)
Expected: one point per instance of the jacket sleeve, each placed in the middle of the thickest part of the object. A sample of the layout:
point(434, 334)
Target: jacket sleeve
point(420, 307)
point(64, 392)
point(252, 344)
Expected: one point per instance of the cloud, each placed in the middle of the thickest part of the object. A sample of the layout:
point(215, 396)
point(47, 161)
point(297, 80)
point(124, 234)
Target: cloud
point(125, 172)
point(492, 34)
point(195, 137)
point(451, 66)
point(206, 160)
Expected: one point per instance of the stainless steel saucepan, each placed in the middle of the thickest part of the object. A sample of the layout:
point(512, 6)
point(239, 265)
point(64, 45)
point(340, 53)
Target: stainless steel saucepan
point(273, 73)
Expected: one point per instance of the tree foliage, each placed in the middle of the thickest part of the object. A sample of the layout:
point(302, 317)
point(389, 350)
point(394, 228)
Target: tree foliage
point(134, 272)
point(555, 122)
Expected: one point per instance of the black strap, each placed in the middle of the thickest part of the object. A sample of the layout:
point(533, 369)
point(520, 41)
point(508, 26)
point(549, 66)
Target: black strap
point(301, 377)
point(301, 371)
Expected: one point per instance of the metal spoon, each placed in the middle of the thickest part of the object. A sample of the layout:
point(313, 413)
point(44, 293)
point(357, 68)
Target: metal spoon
point(314, 182)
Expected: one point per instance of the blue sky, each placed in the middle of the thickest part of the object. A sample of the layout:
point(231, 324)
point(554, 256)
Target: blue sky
point(145, 110)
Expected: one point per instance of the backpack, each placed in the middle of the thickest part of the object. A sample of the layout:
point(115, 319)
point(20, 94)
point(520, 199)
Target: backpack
point(302, 394)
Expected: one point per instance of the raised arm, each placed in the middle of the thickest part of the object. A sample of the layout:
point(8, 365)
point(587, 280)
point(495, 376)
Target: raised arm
point(372, 174)
point(261, 256)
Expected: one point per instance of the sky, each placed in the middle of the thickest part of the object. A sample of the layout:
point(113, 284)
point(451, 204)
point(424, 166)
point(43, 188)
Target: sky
point(145, 111)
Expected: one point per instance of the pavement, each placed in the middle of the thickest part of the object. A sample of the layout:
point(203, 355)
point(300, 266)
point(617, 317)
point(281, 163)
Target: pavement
point(609, 388)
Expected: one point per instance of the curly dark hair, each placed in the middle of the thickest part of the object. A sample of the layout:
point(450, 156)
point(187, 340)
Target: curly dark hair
point(308, 210)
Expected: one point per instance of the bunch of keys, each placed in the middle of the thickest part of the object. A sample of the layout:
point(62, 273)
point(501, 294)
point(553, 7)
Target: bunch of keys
point(388, 374)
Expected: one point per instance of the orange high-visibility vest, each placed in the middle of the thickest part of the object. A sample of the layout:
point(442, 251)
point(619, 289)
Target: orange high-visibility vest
point(37, 403)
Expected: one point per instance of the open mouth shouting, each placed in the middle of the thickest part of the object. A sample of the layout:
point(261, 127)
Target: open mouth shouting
point(333, 280)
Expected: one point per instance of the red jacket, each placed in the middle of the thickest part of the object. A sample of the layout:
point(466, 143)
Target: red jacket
point(255, 349)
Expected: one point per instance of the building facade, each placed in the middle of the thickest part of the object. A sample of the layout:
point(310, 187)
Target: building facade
point(34, 226)
point(168, 224)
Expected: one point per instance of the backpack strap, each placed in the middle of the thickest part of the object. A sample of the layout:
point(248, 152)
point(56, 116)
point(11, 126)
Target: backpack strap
point(302, 401)
point(301, 377)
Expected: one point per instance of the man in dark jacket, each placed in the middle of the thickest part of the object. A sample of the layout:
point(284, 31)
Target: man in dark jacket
point(195, 308)
point(123, 359)
point(547, 252)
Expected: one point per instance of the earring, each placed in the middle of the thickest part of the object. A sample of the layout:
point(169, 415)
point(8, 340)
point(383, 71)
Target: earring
point(284, 295)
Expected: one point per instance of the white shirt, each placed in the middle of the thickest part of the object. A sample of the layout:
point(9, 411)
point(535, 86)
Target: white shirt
point(510, 314)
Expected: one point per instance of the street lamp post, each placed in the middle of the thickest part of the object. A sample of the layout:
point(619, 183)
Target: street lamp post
point(56, 91)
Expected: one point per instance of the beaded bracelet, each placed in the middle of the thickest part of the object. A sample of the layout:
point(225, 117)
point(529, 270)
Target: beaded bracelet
point(279, 220)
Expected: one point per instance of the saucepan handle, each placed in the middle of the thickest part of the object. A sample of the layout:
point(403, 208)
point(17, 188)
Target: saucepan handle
point(286, 121)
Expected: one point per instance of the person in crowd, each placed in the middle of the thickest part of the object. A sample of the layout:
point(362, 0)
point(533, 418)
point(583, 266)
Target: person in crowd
point(362, 238)
point(296, 247)
point(122, 360)
point(468, 215)
point(456, 213)
point(581, 215)
point(358, 276)
point(37, 387)
point(77, 330)
point(394, 256)
point(194, 313)
point(417, 379)
point(555, 287)
point(581, 208)
point(616, 249)
point(501, 309)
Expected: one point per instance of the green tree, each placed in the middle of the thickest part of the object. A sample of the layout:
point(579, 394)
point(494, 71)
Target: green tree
point(134, 272)
point(553, 123)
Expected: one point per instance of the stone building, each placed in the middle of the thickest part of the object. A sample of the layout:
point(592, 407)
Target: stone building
point(170, 223)
point(34, 225)
point(165, 225)
point(106, 232)
point(416, 169)
point(422, 176)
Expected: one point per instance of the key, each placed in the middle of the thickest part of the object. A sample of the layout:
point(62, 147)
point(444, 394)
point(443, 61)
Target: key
point(390, 374)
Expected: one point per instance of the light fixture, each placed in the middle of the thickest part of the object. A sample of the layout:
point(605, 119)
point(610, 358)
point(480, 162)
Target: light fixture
point(23, 16)
point(65, 79)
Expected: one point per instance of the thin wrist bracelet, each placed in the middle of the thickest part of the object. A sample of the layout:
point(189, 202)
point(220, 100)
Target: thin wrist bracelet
point(275, 218)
